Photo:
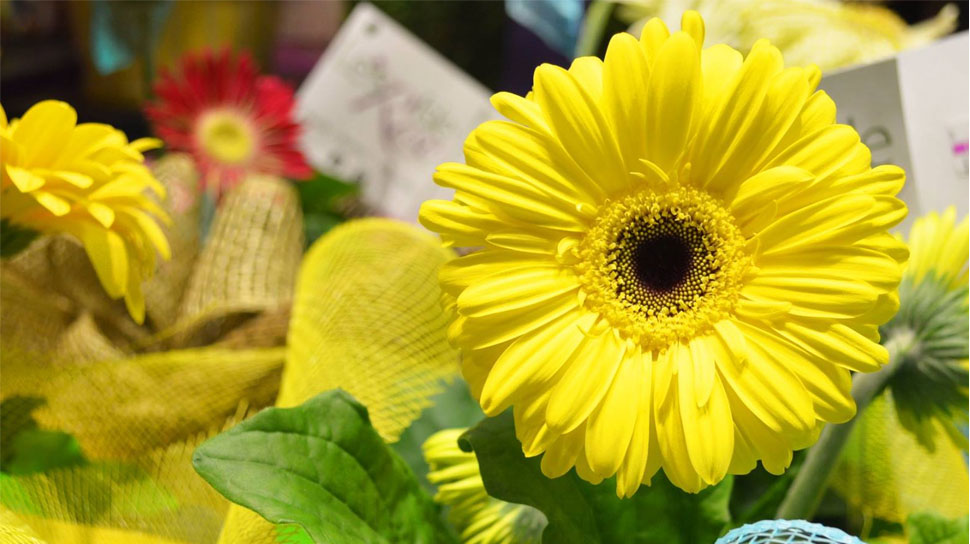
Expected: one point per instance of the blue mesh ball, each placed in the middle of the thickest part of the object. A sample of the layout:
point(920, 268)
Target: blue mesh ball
point(781, 531)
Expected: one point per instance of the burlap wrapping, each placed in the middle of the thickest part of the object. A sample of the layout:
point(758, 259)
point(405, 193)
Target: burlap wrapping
point(163, 292)
point(74, 361)
point(248, 264)
point(139, 401)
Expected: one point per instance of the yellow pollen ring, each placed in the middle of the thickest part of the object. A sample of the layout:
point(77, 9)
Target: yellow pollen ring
point(662, 266)
point(226, 136)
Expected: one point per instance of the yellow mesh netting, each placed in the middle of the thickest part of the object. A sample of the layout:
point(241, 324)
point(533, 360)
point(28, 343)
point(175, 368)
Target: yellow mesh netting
point(367, 318)
point(885, 473)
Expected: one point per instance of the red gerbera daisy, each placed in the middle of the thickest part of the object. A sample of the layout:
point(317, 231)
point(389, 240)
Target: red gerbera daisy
point(229, 117)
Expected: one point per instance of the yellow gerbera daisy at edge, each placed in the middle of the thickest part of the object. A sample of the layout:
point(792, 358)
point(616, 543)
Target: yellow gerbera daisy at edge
point(682, 257)
point(89, 181)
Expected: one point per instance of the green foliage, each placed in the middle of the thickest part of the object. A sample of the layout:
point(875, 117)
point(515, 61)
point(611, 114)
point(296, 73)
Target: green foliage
point(38, 450)
point(322, 466)
point(14, 239)
point(292, 534)
point(28, 449)
point(756, 495)
point(928, 528)
point(584, 513)
point(452, 408)
point(931, 381)
point(323, 199)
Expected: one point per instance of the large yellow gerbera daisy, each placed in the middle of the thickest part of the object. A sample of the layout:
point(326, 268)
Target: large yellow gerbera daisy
point(683, 256)
point(86, 180)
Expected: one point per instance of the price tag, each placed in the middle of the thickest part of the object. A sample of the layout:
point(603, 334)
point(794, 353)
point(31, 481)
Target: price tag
point(384, 109)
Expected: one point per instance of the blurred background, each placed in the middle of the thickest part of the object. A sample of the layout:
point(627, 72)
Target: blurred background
point(101, 56)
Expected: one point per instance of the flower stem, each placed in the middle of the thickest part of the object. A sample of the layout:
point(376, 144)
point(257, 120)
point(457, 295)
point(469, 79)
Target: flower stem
point(594, 25)
point(810, 483)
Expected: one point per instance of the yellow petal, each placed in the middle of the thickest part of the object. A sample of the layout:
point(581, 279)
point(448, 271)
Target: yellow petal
point(838, 220)
point(672, 98)
point(708, 428)
point(561, 455)
point(734, 112)
point(840, 344)
point(25, 180)
point(652, 38)
point(74, 178)
point(588, 72)
point(625, 78)
point(456, 274)
point(135, 300)
point(785, 94)
point(520, 110)
point(461, 225)
point(515, 290)
point(497, 328)
point(145, 144)
point(766, 386)
point(515, 198)
point(832, 151)
point(44, 129)
point(611, 424)
point(692, 23)
point(534, 358)
point(634, 467)
point(103, 214)
point(107, 253)
point(673, 445)
point(53, 203)
point(586, 377)
point(768, 444)
point(771, 184)
point(579, 124)
point(816, 297)
point(151, 230)
point(533, 157)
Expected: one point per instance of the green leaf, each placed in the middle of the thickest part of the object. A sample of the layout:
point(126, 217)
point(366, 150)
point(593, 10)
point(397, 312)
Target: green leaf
point(322, 466)
point(755, 496)
point(452, 408)
point(28, 449)
point(14, 238)
point(584, 513)
point(37, 450)
point(929, 528)
point(324, 200)
point(511, 477)
point(292, 534)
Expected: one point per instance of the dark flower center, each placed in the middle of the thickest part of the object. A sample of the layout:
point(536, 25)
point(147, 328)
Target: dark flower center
point(663, 264)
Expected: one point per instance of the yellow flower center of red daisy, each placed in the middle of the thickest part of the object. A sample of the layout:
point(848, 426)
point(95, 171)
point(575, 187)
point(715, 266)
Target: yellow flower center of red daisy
point(227, 137)
point(662, 266)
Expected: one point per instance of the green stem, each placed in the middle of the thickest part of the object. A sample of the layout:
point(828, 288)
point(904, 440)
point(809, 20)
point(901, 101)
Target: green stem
point(810, 483)
point(594, 25)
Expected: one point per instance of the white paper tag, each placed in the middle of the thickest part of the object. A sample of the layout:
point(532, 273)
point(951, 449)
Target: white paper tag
point(384, 109)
